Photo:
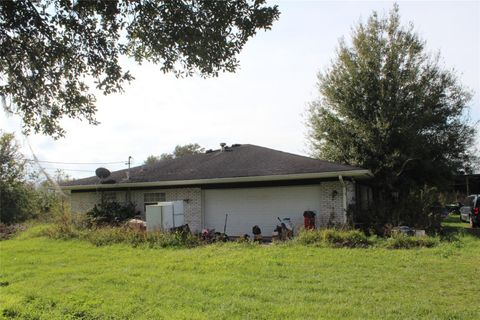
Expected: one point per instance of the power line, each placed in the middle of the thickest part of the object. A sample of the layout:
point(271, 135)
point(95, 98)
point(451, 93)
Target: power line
point(79, 163)
point(63, 169)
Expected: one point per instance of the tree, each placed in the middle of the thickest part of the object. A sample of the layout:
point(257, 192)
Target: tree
point(151, 160)
point(179, 151)
point(15, 194)
point(22, 198)
point(387, 105)
point(52, 50)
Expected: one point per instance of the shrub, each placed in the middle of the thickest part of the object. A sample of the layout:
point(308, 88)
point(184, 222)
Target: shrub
point(309, 237)
point(111, 212)
point(61, 231)
point(8, 231)
point(401, 241)
point(350, 238)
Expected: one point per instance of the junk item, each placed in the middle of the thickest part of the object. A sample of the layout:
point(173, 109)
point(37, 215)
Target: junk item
point(257, 233)
point(406, 230)
point(209, 236)
point(137, 224)
point(276, 233)
point(221, 237)
point(183, 229)
point(309, 220)
point(419, 233)
point(286, 229)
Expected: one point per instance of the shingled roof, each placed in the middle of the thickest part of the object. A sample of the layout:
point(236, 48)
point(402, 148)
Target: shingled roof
point(234, 162)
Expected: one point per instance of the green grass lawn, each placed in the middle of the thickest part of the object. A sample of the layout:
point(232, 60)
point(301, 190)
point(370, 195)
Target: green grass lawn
point(54, 279)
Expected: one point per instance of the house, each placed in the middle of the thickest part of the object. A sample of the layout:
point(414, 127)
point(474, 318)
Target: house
point(252, 184)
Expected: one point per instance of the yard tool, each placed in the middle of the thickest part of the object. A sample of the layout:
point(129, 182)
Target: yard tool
point(223, 236)
point(225, 225)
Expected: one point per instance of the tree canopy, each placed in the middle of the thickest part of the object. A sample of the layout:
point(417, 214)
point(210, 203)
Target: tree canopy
point(52, 51)
point(179, 151)
point(388, 105)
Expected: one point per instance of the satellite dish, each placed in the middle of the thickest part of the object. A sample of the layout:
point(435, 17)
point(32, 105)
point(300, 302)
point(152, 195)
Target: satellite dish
point(102, 173)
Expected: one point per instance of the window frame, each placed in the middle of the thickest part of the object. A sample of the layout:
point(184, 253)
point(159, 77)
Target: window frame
point(146, 202)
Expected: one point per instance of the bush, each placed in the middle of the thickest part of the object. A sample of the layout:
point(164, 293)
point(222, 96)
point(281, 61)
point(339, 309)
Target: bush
point(333, 237)
point(351, 239)
point(8, 231)
point(111, 212)
point(16, 202)
point(418, 208)
point(401, 241)
point(307, 237)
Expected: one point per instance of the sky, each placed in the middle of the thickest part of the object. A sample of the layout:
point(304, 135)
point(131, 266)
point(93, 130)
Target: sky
point(264, 102)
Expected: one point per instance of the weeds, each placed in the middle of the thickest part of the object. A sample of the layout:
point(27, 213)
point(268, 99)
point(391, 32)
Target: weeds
point(357, 239)
point(77, 227)
point(401, 241)
point(334, 237)
point(66, 229)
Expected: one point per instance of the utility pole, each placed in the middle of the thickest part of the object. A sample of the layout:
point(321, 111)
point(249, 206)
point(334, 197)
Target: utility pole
point(128, 163)
point(128, 195)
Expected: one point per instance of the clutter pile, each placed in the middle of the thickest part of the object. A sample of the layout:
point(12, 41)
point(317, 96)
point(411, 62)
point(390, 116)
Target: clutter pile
point(284, 231)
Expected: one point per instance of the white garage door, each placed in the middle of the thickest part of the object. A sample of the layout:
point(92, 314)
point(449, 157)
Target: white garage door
point(258, 206)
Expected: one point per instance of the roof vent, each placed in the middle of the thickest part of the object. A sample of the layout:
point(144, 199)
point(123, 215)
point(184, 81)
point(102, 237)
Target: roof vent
point(222, 146)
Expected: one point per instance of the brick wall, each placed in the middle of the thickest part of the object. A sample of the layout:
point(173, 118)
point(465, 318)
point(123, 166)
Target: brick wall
point(331, 202)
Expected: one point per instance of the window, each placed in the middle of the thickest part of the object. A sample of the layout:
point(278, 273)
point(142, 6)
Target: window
point(152, 198)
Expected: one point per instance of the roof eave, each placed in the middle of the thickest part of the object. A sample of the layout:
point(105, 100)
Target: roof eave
point(357, 174)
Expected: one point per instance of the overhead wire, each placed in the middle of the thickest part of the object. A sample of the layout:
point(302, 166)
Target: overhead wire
point(65, 169)
point(76, 163)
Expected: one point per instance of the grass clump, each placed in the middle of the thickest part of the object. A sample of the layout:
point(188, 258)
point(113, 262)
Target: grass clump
point(357, 239)
point(74, 228)
point(334, 238)
point(113, 235)
point(116, 235)
point(401, 241)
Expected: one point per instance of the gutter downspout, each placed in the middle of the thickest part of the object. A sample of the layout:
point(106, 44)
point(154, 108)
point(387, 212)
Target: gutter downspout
point(344, 197)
